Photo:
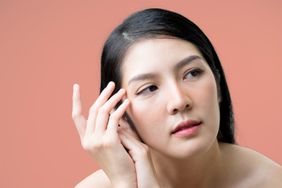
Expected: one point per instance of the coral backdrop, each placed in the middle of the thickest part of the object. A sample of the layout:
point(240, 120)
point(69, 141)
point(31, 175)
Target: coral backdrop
point(47, 45)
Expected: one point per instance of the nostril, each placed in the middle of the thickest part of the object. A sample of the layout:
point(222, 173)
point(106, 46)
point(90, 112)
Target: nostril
point(175, 111)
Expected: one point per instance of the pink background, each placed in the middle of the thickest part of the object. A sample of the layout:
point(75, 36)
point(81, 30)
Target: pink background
point(46, 46)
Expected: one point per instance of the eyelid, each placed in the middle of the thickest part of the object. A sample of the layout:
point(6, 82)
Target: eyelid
point(146, 87)
point(198, 70)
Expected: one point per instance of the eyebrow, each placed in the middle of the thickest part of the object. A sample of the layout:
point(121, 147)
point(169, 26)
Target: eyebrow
point(186, 61)
point(179, 65)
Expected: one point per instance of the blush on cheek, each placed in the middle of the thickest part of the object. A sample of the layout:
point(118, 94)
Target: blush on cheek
point(210, 86)
point(208, 96)
point(143, 115)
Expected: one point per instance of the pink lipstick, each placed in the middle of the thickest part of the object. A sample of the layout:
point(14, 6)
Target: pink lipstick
point(186, 128)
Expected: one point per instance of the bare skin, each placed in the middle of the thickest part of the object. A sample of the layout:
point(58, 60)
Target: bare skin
point(254, 171)
point(178, 85)
point(239, 167)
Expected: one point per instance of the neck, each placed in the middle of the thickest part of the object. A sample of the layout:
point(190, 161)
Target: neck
point(197, 171)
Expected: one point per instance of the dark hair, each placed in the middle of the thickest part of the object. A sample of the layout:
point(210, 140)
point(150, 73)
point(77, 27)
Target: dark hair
point(160, 23)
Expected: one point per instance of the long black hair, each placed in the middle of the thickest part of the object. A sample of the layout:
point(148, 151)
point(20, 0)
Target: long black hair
point(156, 23)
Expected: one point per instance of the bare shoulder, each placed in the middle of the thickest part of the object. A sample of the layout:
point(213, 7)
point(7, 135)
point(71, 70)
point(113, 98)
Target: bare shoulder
point(97, 179)
point(253, 168)
point(273, 179)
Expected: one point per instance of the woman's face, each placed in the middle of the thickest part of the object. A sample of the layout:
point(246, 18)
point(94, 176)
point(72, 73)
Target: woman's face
point(168, 82)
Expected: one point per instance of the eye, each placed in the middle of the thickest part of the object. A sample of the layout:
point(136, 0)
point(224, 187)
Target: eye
point(147, 90)
point(193, 74)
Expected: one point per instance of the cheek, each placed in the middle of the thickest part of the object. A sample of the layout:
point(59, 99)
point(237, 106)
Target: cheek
point(209, 92)
point(208, 101)
point(144, 116)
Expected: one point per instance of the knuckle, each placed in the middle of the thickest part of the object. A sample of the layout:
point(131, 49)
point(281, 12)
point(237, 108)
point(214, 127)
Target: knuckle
point(89, 145)
point(103, 110)
point(93, 109)
point(114, 118)
point(109, 143)
point(97, 145)
point(85, 144)
point(74, 115)
point(144, 151)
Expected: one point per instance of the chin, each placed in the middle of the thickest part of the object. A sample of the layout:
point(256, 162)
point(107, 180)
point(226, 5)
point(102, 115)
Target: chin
point(192, 148)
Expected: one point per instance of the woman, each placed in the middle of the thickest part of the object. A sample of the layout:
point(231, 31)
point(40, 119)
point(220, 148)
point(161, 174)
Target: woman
point(164, 116)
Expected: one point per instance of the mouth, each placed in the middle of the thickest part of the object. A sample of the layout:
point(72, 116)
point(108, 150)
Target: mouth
point(186, 128)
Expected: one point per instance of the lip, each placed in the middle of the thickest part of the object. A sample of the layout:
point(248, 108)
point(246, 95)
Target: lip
point(186, 128)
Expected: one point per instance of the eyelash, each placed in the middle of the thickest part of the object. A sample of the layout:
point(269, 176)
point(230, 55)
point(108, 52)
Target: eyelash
point(197, 71)
point(145, 89)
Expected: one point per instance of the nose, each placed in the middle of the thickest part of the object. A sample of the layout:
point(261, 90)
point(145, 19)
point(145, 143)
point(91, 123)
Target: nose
point(178, 100)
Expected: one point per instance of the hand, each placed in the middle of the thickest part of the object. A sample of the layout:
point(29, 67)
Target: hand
point(140, 153)
point(99, 136)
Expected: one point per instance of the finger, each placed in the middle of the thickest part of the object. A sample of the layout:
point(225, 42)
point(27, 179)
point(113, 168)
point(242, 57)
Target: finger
point(116, 116)
point(104, 111)
point(76, 104)
point(124, 125)
point(77, 116)
point(133, 139)
point(140, 154)
point(103, 97)
point(136, 148)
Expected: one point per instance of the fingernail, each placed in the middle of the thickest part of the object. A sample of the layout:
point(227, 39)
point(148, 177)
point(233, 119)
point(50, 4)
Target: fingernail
point(75, 86)
point(126, 101)
point(111, 83)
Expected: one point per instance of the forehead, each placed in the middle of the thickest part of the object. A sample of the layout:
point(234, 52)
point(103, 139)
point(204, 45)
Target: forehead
point(155, 55)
